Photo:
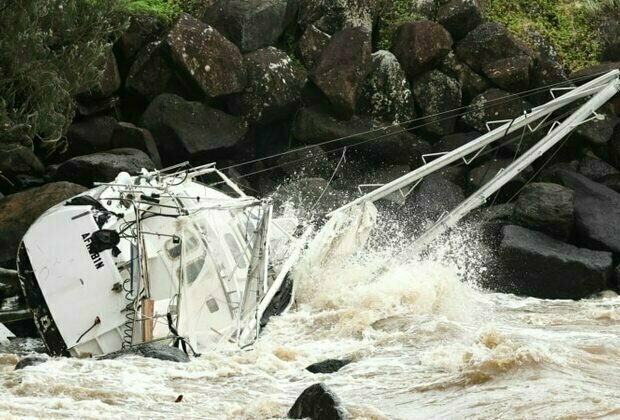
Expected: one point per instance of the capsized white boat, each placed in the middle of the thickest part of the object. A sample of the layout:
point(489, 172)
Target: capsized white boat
point(156, 257)
point(160, 256)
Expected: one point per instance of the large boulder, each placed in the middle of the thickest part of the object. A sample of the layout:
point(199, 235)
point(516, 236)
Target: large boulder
point(274, 86)
point(432, 198)
point(142, 30)
point(596, 169)
point(18, 211)
point(127, 135)
point(16, 159)
point(591, 72)
point(487, 43)
point(251, 24)
point(437, 94)
point(152, 351)
point(190, 130)
point(152, 72)
point(389, 144)
point(104, 166)
point(311, 46)
point(386, 94)
point(472, 84)
point(547, 72)
point(335, 15)
point(211, 61)
point(342, 69)
point(534, 264)
point(597, 212)
point(511, 74)
point(548, 208)
point(460, 17)
point(614, 147)
point(493, 105)
point(318, 402)
point(598, 132)
point(488, 170)
point(420, 46)
point(454, 141)
point(109, 81)
point(90, 135)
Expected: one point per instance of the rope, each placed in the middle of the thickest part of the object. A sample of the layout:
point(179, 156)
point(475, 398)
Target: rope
point(342, 159)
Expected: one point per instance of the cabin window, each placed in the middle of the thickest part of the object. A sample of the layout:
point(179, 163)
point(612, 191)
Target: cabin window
point(235, 250)
point(193, 269)
point(174, 248)
point(212, 305)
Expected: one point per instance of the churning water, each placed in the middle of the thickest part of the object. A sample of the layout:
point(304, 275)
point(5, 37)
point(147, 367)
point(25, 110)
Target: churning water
point(425, 340)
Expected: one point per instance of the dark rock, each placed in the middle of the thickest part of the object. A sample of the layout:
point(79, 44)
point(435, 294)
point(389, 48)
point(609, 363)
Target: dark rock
point(552, 173)
point(16, 159)
point(433, 197)
point(342, 69)
point(274, 86)
point(597, 212)
point(190, 130)
point(548, 208)
point(90, 135)
point(436, 94)
point(25, 181)
point(484, 173)
point(455, 174)
point(454, 141)
point(420, 46)
point(503, 214)
point(586, 74)
point(336, 15)
point(386, 94)
point(597, 132)
point(596, 169)
point(18, 211)
point(328, 366)
point(127, 135)
point(612, 182)
point(545, 73)
point(208, 59)
point(104, 166)
point(251, 24)
point(472, 84)
point(318, 402)
point(142, 30)
point(460, 17)
point(304, 194)
point(535, 264)
point(33, 360)
point(88, 107)
point(391, 144)
point(152, 351)
point(487, 43)
point(493, 105)
point(311, 46)
point(110, 80)
point(152, 72)
point(511, 74)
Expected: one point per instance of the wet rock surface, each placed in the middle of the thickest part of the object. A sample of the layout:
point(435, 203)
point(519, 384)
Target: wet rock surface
point(33, 360)
point(548, 208)
point(328, 366)
point(318, 402)
point(152, 351)
point(534, 264)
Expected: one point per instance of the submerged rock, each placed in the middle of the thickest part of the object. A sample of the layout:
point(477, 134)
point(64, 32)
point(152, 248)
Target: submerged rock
point(32, 360)
point(328, 366)
point(437, 94)
point(342, 69)
point(153, 351)
point(206, 57)
point(421, 45)
point(597, 212)
point(185, 130)
point(318, 402)
point(18, 211)
point(534, 264)
point(548, 208)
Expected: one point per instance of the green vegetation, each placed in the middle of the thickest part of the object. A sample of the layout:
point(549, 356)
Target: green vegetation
point(569, 25)
point(54, 50)
point(167, 10)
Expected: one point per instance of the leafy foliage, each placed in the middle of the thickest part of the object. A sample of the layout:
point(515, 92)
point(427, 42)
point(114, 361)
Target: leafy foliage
point(569, 25)
point(50, 50)
point(167, 10)
point(393, 14)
